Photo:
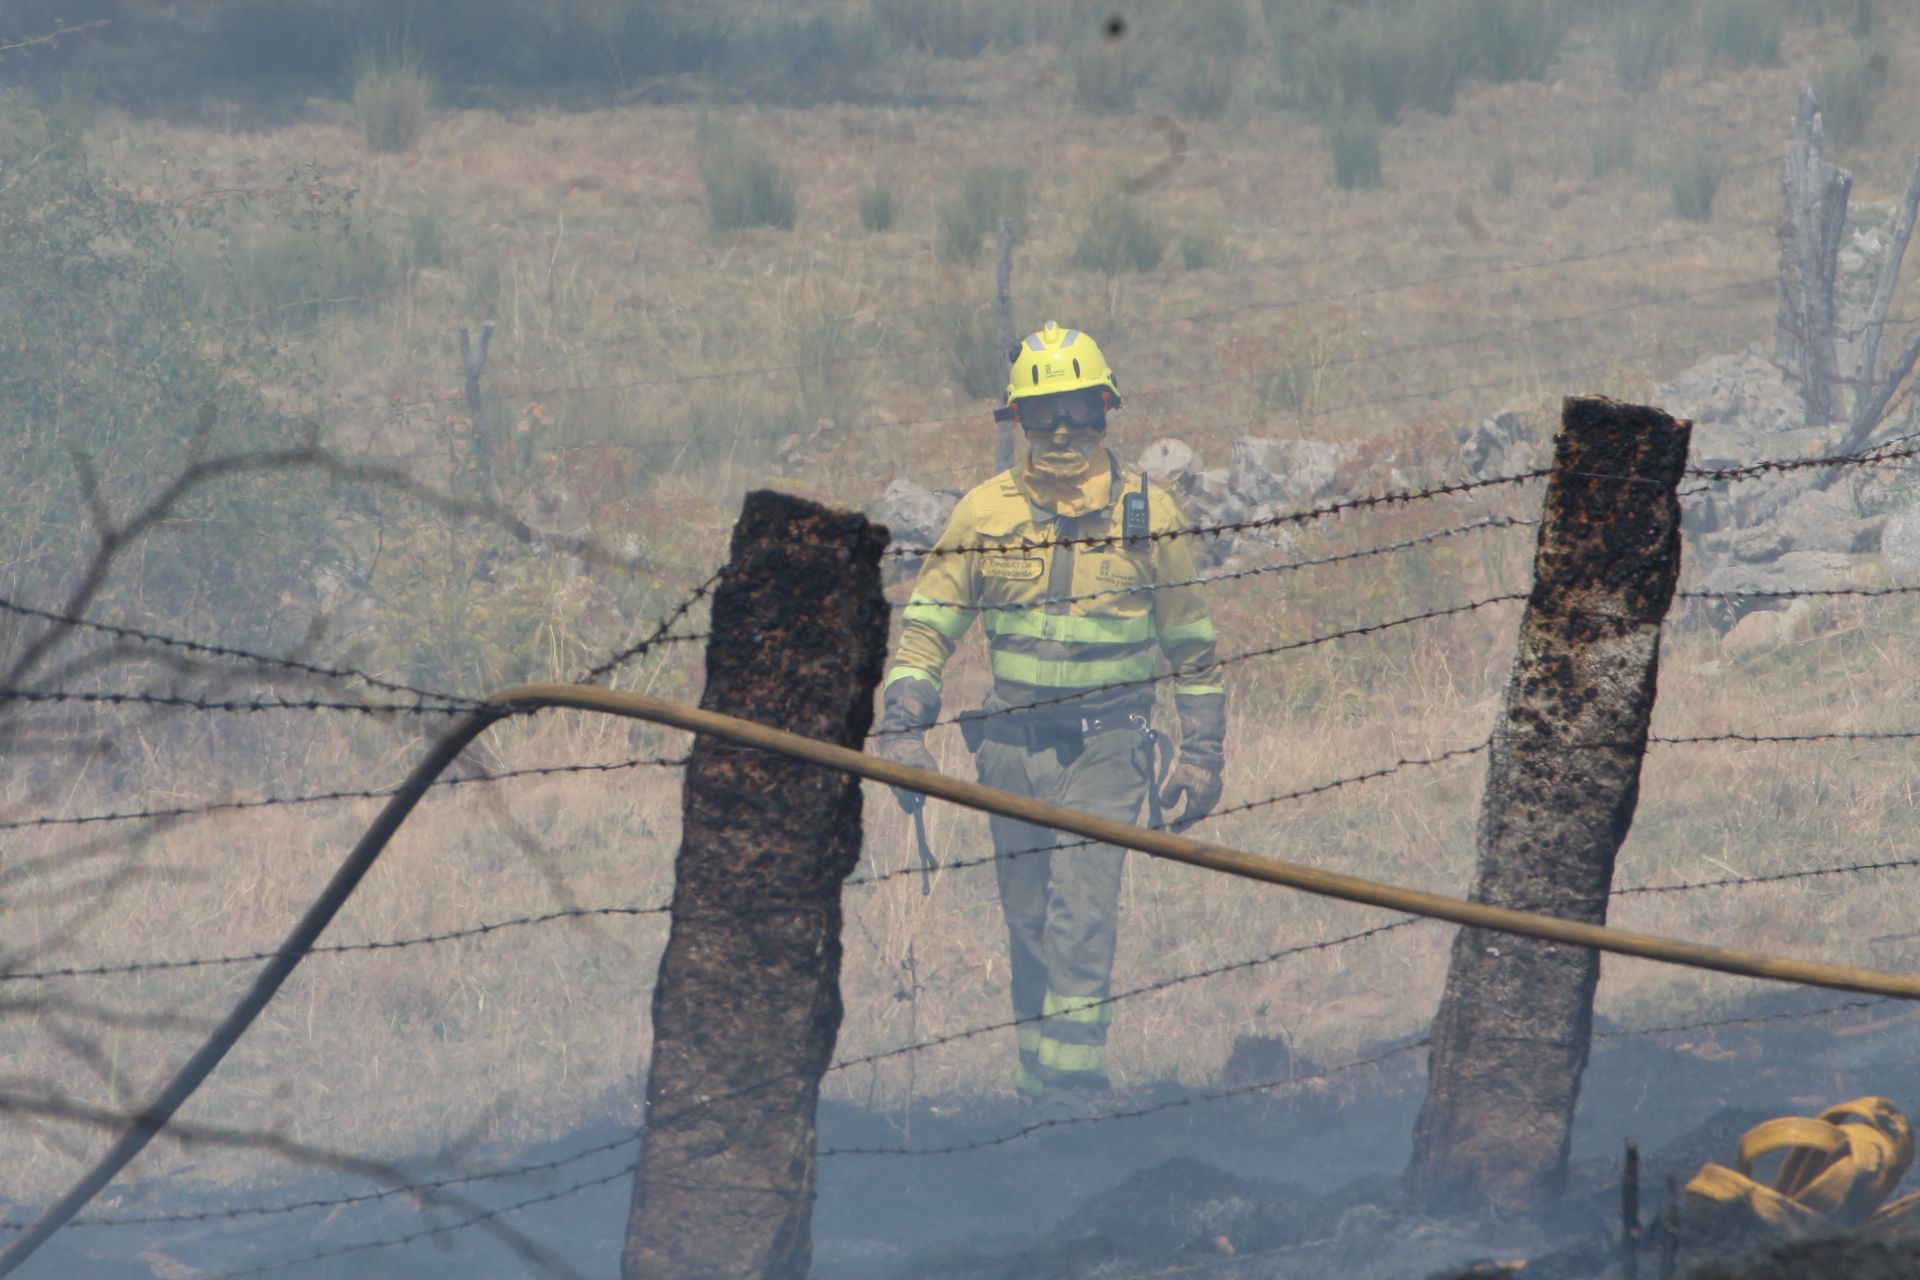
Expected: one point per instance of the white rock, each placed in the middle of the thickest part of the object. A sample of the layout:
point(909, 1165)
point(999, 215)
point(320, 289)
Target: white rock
point(1900, 546)
point(1170, 463)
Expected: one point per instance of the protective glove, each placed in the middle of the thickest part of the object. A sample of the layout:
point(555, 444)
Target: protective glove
point(1196, 775)
point(907, 707)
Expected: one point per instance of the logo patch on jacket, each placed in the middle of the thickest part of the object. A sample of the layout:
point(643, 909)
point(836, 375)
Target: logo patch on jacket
point(1017, 568)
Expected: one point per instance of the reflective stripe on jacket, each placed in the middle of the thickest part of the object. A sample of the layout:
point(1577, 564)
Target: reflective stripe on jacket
point(1061, 618)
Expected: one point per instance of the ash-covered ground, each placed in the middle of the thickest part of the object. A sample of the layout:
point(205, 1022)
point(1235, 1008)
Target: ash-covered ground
point(1302, 1183)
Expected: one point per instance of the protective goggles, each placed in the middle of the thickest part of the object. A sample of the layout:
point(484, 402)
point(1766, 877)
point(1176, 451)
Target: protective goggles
point(1086, 407)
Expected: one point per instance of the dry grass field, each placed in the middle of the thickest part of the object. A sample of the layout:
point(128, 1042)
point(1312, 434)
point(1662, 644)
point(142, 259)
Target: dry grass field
point(646, 368)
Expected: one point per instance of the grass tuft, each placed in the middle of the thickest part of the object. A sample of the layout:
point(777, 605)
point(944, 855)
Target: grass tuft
point(987, 193)
point(1850, 86)
point(877, 206)
point(392, 97)
point(1647, 36)
point(1515, 39)
point(1611, 144)
point(1354, 138)
point(745, 186)
point(1694, 180)
point(1104, 75)
point(1745, 33)
point(975, 361)
point(1118, 233)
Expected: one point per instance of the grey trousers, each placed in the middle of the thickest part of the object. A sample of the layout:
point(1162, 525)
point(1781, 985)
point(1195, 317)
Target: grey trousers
point(1061, 905)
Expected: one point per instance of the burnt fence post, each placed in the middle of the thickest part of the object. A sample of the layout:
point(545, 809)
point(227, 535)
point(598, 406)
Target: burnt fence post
point(1510, 1040)
point(747, 1004)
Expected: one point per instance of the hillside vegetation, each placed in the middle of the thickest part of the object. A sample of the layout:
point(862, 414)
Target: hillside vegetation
point(735, 245)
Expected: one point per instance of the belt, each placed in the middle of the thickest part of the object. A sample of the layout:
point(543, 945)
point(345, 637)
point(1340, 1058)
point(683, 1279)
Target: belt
point(1037, 731)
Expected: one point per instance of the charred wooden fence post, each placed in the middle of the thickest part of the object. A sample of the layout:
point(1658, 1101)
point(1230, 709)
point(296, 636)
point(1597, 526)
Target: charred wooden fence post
point(748, 1000)
point(1510, 1039)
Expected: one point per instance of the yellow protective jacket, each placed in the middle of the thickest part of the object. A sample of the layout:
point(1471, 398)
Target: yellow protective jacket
point(1060, 619)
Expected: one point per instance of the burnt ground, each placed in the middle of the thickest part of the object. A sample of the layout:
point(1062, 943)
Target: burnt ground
point(1296, 1185)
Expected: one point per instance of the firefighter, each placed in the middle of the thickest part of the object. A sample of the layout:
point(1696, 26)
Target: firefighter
point(1076, 571)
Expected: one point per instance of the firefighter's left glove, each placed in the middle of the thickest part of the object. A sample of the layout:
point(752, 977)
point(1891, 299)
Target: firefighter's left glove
point(1196, 776)
point(907, 707)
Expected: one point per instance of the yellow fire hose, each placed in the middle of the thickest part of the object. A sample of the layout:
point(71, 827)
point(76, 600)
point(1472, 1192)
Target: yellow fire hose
point(1839, 1170)
point(1198, 853)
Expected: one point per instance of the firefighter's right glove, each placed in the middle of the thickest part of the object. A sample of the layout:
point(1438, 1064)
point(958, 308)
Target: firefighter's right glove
point(1196, 777)
point(907, 707)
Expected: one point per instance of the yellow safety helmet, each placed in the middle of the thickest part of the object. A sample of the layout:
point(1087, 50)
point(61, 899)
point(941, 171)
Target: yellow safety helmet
point(1055, 360)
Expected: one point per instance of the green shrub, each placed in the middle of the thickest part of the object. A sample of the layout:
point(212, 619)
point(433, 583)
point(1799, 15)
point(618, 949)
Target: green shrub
point(1500, 172)
point(1104, 75)
point(1118, 234)
point(975, 361)
point(1743, 32)
point(1694, 179)
point(987, 193)
point(827, 347)
point(1646, 40)
point(1610, 145)
point(962, 28)
point(1200, 83)
point(1196, 54)
point(425, 241)
point(995, 191)
point(1849, 87)
point(1202, 247)
point(822, 55)
point(745, 186)
point(522, 42)
point(1515, 39)
point(285, 274)
point(106, 354)
point(392, 96)
point(956, 236)
point(876, 206)
point(1353, 136)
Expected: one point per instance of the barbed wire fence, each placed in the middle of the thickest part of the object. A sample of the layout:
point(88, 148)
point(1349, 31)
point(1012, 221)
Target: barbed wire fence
point(419, 702)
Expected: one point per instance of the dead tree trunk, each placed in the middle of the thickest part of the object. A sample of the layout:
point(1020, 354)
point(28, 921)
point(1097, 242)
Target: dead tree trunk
point(748, 1000)
point(1871, 392)
point(1816, 213)
point(1511, 1036)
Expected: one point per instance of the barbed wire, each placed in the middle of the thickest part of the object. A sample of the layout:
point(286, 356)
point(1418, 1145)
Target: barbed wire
point(337, 948)
point(1162, 984)
point(328, 797)
point(257, 704)
point(1135, 1113)
point(1397, 497)
point(1748, 1020)
point(1247, 655)
point(1874, 456)
point(1246, 806)
point(339, 1202)
point(1776, 739)
point(229, 651)
point(1206, 579)
point(1799, 593)
point(260, 703)
point(659, 634)
point(430, 1232)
